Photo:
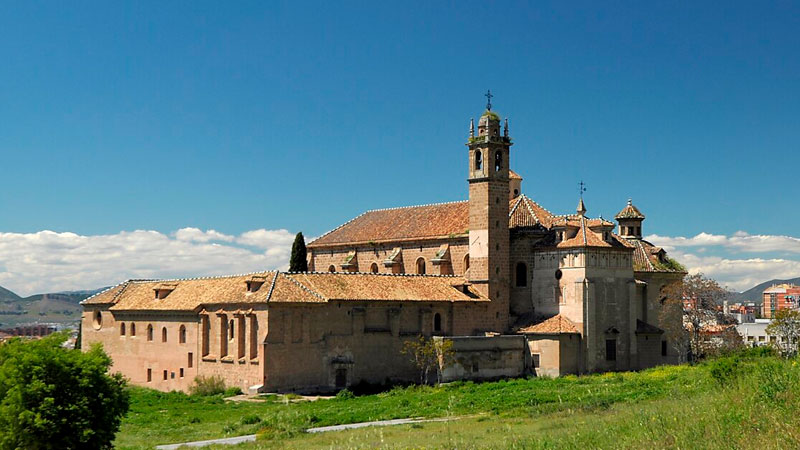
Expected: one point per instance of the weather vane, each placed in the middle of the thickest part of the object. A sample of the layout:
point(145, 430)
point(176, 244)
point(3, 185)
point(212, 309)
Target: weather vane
point(582, 188)
point(488, 96)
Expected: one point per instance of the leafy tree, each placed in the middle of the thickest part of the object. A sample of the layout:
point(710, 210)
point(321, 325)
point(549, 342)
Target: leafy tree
point(428, 355)
point(53, 397)
point(697, 297)
point(786, 326)
point(298, 262)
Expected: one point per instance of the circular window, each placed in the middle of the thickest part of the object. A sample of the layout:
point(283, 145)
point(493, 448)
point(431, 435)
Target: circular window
point(98, 320)
point(558, 274)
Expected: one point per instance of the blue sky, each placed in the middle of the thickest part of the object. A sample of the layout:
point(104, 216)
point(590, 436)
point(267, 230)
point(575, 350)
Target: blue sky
point(166, 116)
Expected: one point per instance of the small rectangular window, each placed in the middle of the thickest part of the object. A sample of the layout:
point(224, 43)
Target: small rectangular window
point(181, 372)
point(663, 348)
point(190, 360)
point(172, 375)
point(165, 374)
point(149, 375)
point(611, 349)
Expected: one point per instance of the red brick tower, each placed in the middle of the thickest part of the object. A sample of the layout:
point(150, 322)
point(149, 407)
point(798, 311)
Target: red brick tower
point(488, 216)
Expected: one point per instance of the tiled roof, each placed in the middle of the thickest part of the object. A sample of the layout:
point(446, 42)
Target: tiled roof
point(646, 258)
point(442, 220)
point(282, 287)
point(585, 235)
point(412, 222)
point(554, 325)
point(513, 175)
point(629, 212)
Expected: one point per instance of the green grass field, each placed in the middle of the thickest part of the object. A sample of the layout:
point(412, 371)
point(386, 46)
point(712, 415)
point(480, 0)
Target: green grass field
point(742, 402)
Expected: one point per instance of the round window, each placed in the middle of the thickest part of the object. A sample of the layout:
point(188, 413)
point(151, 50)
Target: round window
point(558, 274)
point(98, 320)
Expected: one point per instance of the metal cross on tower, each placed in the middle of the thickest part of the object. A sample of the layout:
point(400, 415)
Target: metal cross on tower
point(582, 188)
point(488, 96)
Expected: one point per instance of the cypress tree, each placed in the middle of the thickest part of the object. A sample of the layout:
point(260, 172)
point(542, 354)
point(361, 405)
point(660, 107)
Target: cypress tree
point(297, 262)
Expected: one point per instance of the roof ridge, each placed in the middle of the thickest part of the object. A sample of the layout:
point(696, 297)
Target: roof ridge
point(415, 206)
point(530, 210)
point(646, 257)
point(514, 208)
point(106, 290)
point(583, 228)
point(385, 274)
point(272, 286)
point(540, 206)
point(209, 277)
point(337, 228)
point(302, 286)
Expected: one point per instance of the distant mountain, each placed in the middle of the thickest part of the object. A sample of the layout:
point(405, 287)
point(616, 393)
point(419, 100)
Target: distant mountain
point(50, 307)
point(754, 294)
point(8, 296)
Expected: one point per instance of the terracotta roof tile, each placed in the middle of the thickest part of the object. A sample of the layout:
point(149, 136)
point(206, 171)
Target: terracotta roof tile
point(413, 222)
point(300, 287)
point(554, 325)
point(436, 221)
point(646, 258)
point(629, 212)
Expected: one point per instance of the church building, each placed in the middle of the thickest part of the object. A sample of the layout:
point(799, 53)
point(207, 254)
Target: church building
point(518, 289)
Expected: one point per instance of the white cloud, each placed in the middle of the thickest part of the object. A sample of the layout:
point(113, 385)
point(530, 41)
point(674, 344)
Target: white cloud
point(47, 261)
point(737, 273)
point(739, 242)
point(197, 235)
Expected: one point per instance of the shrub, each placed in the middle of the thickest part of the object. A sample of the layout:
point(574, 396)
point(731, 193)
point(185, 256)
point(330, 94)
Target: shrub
point(231, 391)
point(207, 385)
point(725, 369)
point(250, 420)
point(52, 397)
point(344, 394)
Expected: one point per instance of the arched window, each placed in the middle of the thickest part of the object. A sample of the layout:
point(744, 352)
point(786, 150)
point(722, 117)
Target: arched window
point(164, 334)
point(373, 268)
point(98, 320)
point(437, 323)
point(122, 329)
point(478, 160)
point(133, 329)
point(522, 274)
point(498, 161)
point(332, 269)
point(421, 266)
point(149, 332)
point(230, 330)
point(466, 262)
point(182, 334)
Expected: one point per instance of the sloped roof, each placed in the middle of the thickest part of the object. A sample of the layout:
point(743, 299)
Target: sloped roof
point(281, 287)
point(513, 175)
point(557, 324)
point(437, 221)
point(646, 258)
point(629, 212)
point(585, 236)
point(412, 222)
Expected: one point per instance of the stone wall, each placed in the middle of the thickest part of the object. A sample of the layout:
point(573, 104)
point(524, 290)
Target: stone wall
point(486, 358)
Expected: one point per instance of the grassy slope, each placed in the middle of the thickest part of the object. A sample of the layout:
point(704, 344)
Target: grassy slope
point(158, 418)
point(729, 403)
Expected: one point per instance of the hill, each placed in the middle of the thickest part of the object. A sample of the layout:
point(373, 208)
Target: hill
point(754, 294)
point(59, 307)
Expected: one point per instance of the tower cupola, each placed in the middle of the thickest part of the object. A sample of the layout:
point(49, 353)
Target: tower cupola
point(630, 221)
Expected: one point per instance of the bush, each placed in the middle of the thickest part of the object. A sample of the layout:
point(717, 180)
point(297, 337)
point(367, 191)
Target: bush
point(52, 397)
point(207, 385)
point(725, 369)
point(231, 391)
point(344, 394)
point(250, 420)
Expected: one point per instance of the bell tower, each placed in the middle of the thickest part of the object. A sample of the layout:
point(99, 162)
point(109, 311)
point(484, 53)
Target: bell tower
point(488, 215)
